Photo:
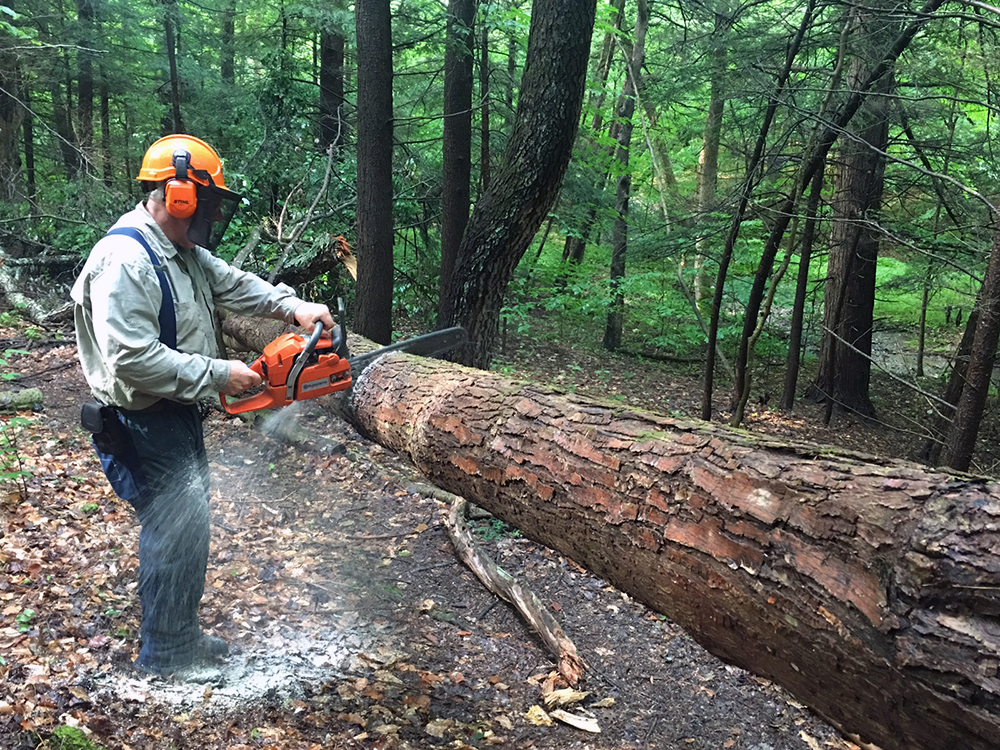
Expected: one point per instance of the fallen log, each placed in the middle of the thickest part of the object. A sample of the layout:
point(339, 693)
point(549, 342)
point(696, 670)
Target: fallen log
point(868, 588)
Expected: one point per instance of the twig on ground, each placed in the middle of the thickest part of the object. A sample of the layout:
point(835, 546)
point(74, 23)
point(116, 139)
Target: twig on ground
point(501, 583)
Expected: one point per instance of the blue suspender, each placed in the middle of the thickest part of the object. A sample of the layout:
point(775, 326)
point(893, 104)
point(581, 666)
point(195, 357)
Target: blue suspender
point(167, 317)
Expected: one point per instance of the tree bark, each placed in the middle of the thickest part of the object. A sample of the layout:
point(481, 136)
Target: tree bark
point(373, 312)
point(846, 347)
point(11, 115)
point(961, 441)
point(456, 148)
point(867, 588)
point(227, 46)
point(332, 123)
point(792, 361)
point(484, 106)
point(170, 42)
point(619, 245)
point(86, 17)
point(526, 184)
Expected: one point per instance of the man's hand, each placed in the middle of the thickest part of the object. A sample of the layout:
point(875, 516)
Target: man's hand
point(308, 313)
point(241, 377)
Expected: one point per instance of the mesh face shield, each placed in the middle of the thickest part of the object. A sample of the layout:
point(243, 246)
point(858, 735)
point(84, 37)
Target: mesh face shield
point(216, 208)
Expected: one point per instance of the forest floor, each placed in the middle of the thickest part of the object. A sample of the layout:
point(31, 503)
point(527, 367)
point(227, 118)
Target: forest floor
point(333, 577)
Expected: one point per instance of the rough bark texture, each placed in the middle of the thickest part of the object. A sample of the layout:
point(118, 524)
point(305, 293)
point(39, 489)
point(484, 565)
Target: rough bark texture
point(373, 311)
point(332, 123)
point(961, 441)
point(845, 355)
point(867, 588)
point(456, 138)
point(525, 186)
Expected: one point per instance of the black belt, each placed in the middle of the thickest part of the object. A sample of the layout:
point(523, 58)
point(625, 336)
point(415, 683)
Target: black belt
point(164, 404)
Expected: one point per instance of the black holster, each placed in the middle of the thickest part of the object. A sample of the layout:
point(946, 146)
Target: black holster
point(110, 435)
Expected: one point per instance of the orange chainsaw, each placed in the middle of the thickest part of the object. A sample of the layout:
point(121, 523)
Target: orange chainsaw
point(295, 368)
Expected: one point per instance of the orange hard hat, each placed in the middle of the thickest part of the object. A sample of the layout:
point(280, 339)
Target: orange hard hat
point(158, 162)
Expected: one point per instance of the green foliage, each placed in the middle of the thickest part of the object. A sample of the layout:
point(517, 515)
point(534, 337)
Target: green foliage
point(71, 738)
point(24, 619)
point(493, 529)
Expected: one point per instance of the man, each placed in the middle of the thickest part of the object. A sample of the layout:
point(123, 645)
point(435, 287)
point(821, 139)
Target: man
point(146, 333)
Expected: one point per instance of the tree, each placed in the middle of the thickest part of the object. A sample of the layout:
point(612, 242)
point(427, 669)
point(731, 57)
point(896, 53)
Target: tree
point(844, 368)
point(332, 120)
point(11, 116)
point(625, 112)
point(863, 587)
point(373, 312)
point(457, 138)
point(526, 183)
point(961, 441)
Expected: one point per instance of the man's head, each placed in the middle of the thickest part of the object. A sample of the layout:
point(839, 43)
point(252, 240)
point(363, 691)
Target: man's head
point(187, 190)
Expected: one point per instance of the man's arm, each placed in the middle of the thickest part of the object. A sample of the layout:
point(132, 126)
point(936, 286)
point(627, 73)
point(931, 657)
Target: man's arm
point(125, 300)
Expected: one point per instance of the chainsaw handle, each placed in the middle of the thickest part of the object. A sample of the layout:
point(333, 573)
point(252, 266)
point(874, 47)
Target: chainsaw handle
point(262, 400)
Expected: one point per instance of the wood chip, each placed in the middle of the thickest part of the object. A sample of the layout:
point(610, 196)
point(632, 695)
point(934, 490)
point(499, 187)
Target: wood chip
point(575, 720)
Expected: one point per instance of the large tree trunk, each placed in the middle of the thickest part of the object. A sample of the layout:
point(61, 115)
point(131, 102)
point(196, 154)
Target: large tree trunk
point(332, 120)
point(373, 309)
point(845, 355)
point(86, 16)
point(867, 588)
point(525, 186)
point(456, 156)
point(12, 85)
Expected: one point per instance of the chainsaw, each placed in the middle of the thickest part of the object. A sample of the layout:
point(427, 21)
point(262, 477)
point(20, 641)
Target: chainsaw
point(294, 368)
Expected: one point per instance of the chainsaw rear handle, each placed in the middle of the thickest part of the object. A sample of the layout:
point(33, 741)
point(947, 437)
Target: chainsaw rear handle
point(266, 399)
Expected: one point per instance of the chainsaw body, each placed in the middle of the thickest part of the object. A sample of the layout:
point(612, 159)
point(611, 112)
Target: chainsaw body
point(295, 368)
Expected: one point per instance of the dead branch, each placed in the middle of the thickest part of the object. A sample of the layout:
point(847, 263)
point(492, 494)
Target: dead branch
point(501, 583)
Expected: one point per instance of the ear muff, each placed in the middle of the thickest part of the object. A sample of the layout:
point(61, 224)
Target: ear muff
point(180, 193)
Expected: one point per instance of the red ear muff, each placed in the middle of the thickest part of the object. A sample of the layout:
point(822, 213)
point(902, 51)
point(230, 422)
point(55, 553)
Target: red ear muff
point(181, 198)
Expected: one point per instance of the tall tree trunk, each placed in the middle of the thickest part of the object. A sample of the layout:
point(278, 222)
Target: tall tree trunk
point(619, 245)
point(485, 157)
point(107, 166)
point(526, 184)
point(67, 141)
point(227, 48)
point(332, 123)
point(457, 141)
point(575, 244)
point(373, 311)
point(85, 80)
point(801, 290)
point(961, 441)
point(11, 116)
point(333, 120)
point(847, 337)
point(29, 148)
point(932, 449)
point(169, 36)
point(708, 158)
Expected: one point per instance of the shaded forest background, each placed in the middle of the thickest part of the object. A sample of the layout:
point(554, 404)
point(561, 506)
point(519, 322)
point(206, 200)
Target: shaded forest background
point(755, 187)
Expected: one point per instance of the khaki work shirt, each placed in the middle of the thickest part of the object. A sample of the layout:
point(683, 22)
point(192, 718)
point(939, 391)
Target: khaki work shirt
point(117, 303)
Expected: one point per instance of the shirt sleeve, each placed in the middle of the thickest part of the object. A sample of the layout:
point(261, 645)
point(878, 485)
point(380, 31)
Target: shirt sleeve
point(125, 300)
point(246, 293)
